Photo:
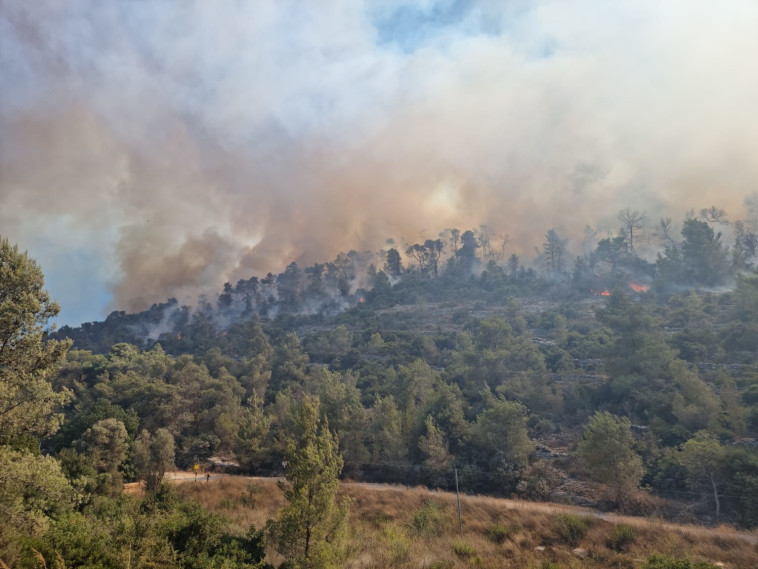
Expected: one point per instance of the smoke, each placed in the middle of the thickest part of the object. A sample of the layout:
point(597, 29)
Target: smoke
point(158, 149)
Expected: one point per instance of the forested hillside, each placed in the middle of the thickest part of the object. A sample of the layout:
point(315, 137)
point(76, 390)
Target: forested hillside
point(451, 354)
point(610, 381)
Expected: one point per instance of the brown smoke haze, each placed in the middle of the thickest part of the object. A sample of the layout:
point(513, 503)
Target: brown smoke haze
point(163, 148)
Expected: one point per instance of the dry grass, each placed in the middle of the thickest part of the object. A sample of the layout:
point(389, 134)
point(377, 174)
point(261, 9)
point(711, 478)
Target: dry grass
point(393, 527)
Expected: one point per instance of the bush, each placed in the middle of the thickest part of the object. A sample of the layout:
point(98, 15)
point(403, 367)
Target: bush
point(666, 562)
point(622, 538)
point(396, 542)
point(464, 551)
point(249, 498)
point(430, 519)
point(498, 533)
point(571, 528)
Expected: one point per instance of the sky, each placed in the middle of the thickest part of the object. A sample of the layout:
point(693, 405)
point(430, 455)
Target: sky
point(155, 148)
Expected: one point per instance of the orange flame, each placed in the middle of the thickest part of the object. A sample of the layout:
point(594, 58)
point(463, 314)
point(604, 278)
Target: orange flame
point(178, 335)
point(600, 292)
point(639, 288)
point(361, 300)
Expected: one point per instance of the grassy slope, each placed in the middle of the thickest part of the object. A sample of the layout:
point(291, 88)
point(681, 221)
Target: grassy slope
point(395, 527)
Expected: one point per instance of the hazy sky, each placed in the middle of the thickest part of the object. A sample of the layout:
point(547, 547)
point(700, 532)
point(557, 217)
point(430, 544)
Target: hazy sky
point(159, 148)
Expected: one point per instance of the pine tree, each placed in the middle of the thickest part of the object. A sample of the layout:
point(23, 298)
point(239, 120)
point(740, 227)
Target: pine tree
point(607, 447)
point(27, 399)
point(31, 486)
point(311, 530)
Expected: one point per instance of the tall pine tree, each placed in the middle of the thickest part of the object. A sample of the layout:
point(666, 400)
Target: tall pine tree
point(311, 531)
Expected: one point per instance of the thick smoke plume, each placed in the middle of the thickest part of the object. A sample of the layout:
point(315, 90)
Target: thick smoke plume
point(164, 148)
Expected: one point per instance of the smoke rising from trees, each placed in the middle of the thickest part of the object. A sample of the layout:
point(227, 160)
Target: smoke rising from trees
point(177, 147)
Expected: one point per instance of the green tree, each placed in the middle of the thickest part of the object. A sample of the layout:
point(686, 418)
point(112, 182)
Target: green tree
point(32, 490)
point(386, 432)
point(607, 448)
point(153, 457)
point(502, 440)
point(695, 405)
point(32, 487)
point(742, 331)
point(703, 459)
point(638, 359)
point(27, 399)
point(393, 265)
point(250, 442)
point(341, 402)
point(702, 258)
point(311, 530)
point(106, 444)
point(434, 448)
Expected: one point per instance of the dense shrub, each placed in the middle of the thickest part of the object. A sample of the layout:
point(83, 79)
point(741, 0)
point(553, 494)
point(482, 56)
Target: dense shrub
point(570, 529)
point(463, 550)
point(430, 519)
point(498, 533)
point(622, 538)
point(397, 542)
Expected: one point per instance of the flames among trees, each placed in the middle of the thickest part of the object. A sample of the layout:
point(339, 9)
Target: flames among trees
point(435, 368)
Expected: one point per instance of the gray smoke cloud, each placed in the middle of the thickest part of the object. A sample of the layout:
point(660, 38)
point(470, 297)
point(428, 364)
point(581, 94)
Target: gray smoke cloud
point(159, 149)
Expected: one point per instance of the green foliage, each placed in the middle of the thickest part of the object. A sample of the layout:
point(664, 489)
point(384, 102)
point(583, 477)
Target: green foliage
point(570, 529)
point(395, 539)
point(431, 519)
point(105, 444)
point(249, 498)
point(498, 533)
point(33, 490)
point(386, 432)
point(312, 528)
point(464, 550)
point(501, 437)
point(160, 531)
point(250, 444)
point(703, 459)
point(607, 448)
point(701, 259)
point(428, 373)
point(434, 448)
point(27, 399)
point(695, 405)
point(622, 538)
point(153, 457)
point(32, 487)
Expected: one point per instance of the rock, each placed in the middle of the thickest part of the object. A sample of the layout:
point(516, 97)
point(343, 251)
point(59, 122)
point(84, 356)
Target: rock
point(580, 552)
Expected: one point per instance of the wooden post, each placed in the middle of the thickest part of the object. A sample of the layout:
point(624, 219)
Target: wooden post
point(458, 496)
